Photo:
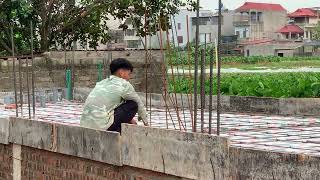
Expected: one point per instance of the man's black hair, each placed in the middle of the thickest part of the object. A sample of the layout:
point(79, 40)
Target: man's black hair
point(120, 63)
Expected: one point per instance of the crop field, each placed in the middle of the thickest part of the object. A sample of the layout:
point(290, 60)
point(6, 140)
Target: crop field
point(284, 85)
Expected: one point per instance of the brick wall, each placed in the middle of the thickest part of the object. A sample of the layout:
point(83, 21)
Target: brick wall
point(50, 70)
point(45, 165)
point(6, 162)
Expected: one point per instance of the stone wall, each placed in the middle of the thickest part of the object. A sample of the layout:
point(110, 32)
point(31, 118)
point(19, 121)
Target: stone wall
point(50, 69)
point(41, 150)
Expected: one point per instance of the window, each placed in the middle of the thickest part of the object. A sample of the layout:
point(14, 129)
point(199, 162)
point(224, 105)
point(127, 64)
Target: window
point(244, 34)
point(134, 43)
point(180, 39)
point(130, 32)
point(179, 26)
point(238, 33)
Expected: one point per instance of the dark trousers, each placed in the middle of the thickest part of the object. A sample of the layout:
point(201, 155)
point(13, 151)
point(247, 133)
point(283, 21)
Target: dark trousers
point(123, 114)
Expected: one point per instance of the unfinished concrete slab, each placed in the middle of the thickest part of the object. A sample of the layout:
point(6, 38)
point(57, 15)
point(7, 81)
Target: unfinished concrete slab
point(275, 133)
point(195, 156)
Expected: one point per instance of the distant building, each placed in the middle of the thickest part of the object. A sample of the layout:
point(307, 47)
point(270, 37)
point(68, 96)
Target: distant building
point(291, 32)
point(306, 19)
point(182, 23)
point(259, 20)
point(208, 26)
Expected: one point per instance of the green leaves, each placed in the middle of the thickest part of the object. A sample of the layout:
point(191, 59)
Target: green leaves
point(59, 23)
point(277, 85)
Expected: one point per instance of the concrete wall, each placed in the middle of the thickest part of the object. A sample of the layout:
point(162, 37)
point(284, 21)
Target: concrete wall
point(50, 69)
point(227, 27)
point(278, 106)
point(273, 21)
point(145, 153)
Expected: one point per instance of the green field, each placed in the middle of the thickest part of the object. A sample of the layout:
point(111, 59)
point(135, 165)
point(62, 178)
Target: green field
point(298, 85)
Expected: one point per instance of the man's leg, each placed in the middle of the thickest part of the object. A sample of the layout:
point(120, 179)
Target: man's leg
point(124, 114)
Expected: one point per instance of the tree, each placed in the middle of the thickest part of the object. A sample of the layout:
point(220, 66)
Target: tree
point(15, 14)
point(61, 22)
point(316, 33)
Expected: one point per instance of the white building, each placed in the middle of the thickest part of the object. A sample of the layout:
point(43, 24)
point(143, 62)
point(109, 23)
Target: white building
point(182, 23)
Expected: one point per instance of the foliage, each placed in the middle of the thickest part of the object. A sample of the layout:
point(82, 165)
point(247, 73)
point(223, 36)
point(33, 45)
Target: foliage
point(316, 33)
point(277, 85)
point(62, 22)
point(181, 58)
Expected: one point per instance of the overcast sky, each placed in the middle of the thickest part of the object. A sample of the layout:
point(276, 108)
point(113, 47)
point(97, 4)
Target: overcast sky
point(290, 5)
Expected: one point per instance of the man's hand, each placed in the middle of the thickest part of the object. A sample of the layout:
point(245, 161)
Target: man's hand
point(146, 123)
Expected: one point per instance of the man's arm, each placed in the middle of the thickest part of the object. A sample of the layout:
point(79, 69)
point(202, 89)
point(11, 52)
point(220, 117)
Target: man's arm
point(130, 94)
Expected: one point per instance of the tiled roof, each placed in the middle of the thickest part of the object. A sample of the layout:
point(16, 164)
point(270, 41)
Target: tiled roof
point(260, 6)
point(303, 12)
point(291, 28)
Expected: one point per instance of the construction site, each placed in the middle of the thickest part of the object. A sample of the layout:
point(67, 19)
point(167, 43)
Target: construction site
point(194, 133)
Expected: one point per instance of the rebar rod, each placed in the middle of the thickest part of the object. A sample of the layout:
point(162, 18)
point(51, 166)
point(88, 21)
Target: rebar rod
point(196, 68)
point(14, 73)
point(202, 88)
point(210, 90)
point(32, 73)
point(190, 75)
point(28, 87)
point(219, 68)
point(20, 87)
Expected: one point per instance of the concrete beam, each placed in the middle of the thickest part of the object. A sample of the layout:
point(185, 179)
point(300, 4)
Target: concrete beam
point(36, 134)
point(4, 130)
point(188, 155)
point(303, 106)
point(91, 144)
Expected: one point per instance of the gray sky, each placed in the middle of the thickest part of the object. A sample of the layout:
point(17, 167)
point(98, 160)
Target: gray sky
point(290, 5)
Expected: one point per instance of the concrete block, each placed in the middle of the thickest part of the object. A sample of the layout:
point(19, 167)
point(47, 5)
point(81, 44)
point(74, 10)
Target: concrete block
point(305, 106)
point(4, 130)
point(254, 104)
point(188, 155)
point(31, 133)
point(91, 144)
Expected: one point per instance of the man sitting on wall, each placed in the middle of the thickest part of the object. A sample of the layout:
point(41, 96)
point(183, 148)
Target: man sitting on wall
point(113, 101)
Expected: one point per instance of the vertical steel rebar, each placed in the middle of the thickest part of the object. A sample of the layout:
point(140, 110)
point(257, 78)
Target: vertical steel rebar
point(28, 87)
point(219, 68)
point(196, 62)
point(146, 56)
point(164, 72)
point(14, 73)
point(72, 69)
point(190, 75)
point(20, 87)
point(177, 67)
point(210, 90)
point(202, 88)
point(32, 73)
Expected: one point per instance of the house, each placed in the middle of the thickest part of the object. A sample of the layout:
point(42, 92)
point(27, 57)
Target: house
point(259, 20)
point(182, 24)
point(208, 26)
point(291, 32)
point(306, 19)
